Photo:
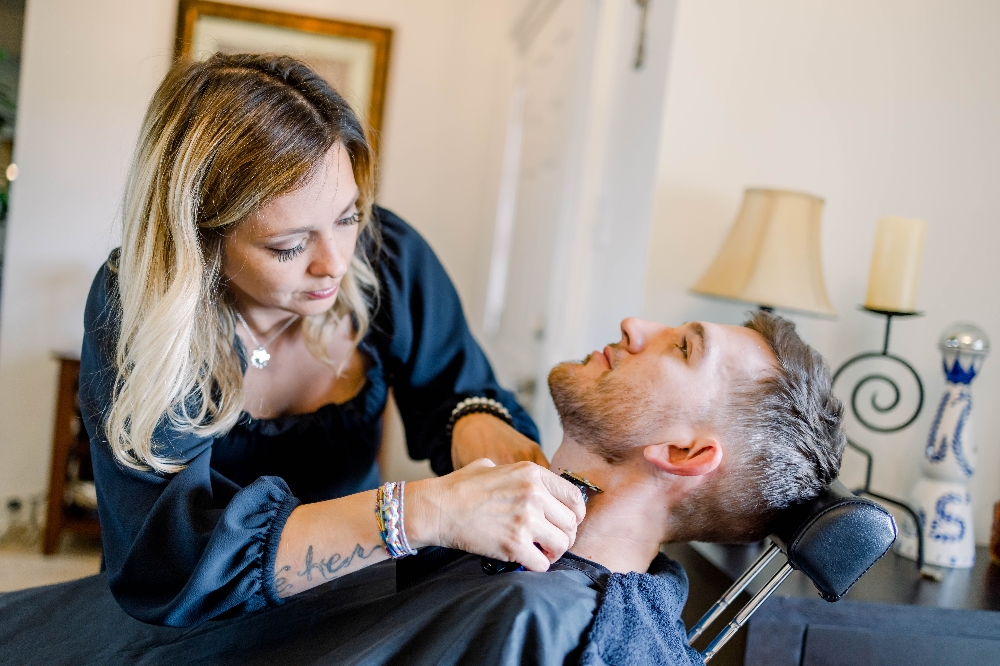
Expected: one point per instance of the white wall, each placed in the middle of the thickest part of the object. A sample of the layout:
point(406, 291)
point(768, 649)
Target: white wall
point(88, 72)
point(886, 107)
point(597, 267)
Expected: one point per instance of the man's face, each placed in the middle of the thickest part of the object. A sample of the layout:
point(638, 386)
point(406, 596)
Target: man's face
point(658, 384)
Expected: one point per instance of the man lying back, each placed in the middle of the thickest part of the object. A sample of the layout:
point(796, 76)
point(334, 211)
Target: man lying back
point(697, 433)
point(701, 432)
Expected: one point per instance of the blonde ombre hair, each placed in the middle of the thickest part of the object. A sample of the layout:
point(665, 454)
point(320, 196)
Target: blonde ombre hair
point(220, 139)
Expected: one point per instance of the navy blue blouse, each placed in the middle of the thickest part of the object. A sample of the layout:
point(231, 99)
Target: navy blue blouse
point(186, 547)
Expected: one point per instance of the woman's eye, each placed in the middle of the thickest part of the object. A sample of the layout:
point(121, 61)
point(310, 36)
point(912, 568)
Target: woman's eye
point(684, 347)
point(349, 221)
point(290, 253)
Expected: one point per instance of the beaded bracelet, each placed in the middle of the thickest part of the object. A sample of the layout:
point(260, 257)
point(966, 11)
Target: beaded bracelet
point(389, 514)
point(477, 405)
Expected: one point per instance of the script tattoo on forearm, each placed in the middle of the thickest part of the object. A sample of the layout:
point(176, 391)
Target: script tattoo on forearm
point(326, 568)
point(281, 583)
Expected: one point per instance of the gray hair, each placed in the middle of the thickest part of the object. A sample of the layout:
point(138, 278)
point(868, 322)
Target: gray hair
point(787, 436)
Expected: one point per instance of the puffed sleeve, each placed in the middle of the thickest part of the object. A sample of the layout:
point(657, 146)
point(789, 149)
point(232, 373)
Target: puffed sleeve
point(180, 548)
point(432, 361)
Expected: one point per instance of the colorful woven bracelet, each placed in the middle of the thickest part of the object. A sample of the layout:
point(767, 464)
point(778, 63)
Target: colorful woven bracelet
point(389, 514)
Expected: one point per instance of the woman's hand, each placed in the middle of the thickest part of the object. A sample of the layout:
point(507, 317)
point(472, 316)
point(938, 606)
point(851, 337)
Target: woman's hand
point(478, 436)
point(517, 513)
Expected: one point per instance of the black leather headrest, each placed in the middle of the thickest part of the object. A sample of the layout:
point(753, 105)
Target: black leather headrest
point(835, 538)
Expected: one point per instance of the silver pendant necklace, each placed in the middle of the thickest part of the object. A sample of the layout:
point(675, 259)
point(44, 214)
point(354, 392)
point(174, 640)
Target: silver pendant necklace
point(259, 357)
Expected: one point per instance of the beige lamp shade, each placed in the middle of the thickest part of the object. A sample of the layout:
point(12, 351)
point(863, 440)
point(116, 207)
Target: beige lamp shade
point(772, 254)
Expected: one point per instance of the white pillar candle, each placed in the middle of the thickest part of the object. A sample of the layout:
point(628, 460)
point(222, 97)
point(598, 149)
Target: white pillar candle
point(895, 273)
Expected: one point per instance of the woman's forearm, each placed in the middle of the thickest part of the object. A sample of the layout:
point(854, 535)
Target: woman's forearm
point(326, 540)
point(519, 512)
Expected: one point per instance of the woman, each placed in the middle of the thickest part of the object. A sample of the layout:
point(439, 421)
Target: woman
point(229, 479)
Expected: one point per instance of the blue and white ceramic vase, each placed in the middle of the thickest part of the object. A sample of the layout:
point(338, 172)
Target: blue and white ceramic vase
point(941, 497)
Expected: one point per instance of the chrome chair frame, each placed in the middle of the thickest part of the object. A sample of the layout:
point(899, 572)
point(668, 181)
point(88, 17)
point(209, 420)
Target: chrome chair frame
point(863, 530)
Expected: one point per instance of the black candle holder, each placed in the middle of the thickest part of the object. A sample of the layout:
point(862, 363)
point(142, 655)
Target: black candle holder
point(884, 408)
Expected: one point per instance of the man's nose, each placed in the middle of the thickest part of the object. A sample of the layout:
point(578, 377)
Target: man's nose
point(636, 333)
point(329, 260)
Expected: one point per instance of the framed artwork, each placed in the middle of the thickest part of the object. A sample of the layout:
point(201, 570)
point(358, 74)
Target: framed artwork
point(352, 57)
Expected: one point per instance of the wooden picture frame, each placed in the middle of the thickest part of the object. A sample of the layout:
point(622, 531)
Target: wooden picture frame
point(353, 57)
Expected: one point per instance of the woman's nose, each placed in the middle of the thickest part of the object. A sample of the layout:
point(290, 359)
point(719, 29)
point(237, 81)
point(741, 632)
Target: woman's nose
point(329, 260)
point(636, 333)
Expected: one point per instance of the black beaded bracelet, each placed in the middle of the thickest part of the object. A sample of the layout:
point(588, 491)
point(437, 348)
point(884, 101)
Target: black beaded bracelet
point(477, 405)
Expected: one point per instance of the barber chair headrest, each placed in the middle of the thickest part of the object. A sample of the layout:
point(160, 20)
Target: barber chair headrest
point(835, 538)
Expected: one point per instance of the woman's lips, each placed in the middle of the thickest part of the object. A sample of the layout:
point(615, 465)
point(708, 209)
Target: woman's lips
point(322, 293)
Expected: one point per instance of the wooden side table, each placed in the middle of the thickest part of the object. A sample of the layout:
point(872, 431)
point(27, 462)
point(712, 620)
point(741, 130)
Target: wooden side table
point(70, 461)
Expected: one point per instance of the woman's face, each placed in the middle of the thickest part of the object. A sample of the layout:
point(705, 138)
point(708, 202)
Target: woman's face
point(292, 253)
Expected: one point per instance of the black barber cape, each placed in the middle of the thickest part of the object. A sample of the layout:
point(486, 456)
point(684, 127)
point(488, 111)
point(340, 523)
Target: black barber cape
point(180, 549)
point(577, 612)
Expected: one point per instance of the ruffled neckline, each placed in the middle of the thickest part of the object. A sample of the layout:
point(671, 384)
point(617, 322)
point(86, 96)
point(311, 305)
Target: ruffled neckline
point(368, 403)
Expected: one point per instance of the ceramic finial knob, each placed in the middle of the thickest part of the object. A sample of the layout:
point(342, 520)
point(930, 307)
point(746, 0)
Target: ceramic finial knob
point(963, 347)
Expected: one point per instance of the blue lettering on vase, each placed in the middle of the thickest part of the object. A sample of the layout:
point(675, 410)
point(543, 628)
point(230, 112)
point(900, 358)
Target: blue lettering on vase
point(946, 521)
point(956, 441)
point(937, 447)
point(935, 453)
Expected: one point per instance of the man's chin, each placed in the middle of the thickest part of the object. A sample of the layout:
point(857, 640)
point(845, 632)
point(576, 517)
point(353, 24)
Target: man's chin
point(569, 390)
point(564, 375)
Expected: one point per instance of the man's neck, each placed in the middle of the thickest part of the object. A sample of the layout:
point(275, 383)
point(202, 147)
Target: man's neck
point(626, 523)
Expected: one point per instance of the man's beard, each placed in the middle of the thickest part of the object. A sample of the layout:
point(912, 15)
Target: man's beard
point(608, 416)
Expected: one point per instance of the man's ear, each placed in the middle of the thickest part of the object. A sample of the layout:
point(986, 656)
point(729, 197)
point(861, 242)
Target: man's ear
point(696, 457)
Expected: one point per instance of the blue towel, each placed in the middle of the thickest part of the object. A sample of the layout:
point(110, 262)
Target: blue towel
point(639, 620)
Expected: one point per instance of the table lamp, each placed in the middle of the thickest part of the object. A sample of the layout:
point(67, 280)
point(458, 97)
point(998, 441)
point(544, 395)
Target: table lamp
point(771, 257)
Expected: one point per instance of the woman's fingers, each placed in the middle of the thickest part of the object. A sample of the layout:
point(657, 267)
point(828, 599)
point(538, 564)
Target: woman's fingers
point(563, 516)
point(550, 524)
point(502, 511)
point(551, 541)
point(562, 519)
point(548, 541)
point(531, 558)
point(568, 494)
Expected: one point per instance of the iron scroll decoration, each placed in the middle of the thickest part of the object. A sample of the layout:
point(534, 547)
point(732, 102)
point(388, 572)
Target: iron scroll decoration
point(884, 408)
point(890, 382)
